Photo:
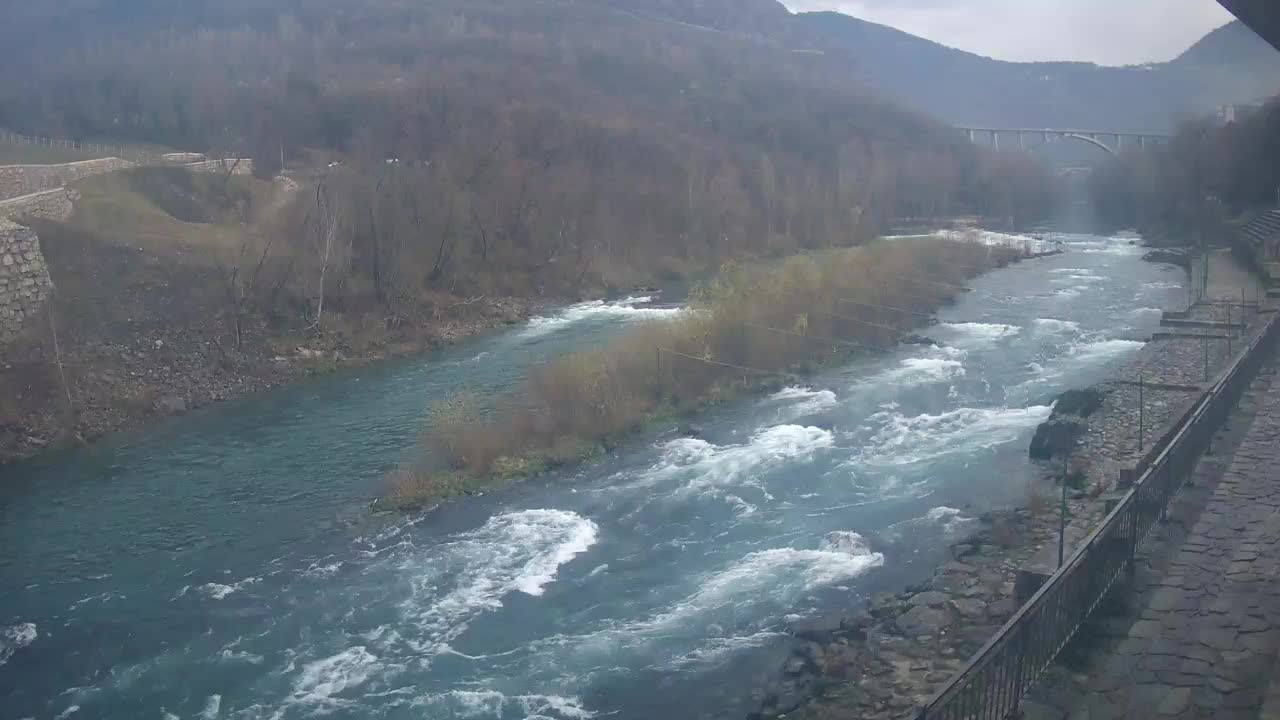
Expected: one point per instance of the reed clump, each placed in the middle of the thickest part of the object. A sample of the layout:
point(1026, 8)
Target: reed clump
point(752, 327)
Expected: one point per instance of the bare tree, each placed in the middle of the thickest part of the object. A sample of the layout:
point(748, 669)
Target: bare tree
point(240, 282)
point(324, 231)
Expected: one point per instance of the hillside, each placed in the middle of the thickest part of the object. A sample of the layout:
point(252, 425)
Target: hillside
point(456, 162)
point(1230, 65)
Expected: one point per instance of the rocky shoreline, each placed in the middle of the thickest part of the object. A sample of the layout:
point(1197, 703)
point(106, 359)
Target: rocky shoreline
point(123, 383)
point(884, 660)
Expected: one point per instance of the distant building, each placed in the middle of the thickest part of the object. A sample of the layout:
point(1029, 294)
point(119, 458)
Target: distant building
point(1258, 244)
point(1228, 114)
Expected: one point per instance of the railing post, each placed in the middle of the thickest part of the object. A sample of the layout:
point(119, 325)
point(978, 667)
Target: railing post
point(1142, 411)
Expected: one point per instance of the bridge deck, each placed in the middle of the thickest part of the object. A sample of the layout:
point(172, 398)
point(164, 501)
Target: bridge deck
point(1061, 131)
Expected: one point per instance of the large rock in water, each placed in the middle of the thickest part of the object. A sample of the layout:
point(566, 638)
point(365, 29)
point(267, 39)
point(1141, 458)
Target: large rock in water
point(171, 405)
point(1173, 256)
point(1059, 433)
point(1081, 403)
point(1055, 435)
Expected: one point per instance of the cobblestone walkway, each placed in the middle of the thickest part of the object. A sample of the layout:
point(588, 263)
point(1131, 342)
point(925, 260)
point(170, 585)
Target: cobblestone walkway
point(1205, 636)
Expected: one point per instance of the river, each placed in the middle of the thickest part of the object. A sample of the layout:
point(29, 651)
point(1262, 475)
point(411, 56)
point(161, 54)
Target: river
point(225, 564)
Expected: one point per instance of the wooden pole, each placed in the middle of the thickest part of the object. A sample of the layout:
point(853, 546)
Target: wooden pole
point(657, 372)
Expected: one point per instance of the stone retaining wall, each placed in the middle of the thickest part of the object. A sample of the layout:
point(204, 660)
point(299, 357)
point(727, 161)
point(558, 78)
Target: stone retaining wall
point(242, 166)
point(52, 204)
point(19, 180)
point(24, 278)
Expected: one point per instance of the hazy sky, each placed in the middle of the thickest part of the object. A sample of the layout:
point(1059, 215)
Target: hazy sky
point(1108, 32)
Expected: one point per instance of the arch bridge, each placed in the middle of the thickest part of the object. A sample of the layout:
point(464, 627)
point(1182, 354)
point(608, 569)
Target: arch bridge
point(1099, 138)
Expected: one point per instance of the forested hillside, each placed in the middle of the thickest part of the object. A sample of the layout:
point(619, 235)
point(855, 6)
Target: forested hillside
point(1206, 175)
point(451, 164)
point(541, 146)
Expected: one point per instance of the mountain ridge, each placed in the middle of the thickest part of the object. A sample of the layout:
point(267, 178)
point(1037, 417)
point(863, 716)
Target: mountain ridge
point(1229, 65)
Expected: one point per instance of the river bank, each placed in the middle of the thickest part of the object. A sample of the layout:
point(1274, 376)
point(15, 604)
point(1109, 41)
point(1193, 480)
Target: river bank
point(126, 375)
point(887, 658)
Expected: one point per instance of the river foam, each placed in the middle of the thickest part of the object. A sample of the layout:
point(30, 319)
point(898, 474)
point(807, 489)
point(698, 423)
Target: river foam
point(515, 552)
point(320, 681)
point(1101, 351)
point(777, 577)
point(16, 637)
point(802, 401)
point(940, 366)
point(622, 310)
point(700, 467)
point(1053, 325)
point(494, 705)
point(901, 440)
point(979, 334)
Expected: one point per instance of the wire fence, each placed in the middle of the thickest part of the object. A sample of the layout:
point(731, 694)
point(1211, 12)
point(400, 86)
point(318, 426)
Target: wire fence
point(100, 150)
point(993, 683)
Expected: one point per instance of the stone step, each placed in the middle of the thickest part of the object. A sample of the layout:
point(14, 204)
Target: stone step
point(1270, 709)
point(1190, 336)
point(1209, 324)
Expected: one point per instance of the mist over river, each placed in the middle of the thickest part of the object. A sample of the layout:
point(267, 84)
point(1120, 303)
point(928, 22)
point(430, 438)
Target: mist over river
point(226, 565)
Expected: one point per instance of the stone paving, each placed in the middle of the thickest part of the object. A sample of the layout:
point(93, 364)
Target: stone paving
point(1201, 633)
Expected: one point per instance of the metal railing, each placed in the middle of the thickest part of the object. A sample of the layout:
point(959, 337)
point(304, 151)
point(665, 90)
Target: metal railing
point(125, 152)
point(995, 680)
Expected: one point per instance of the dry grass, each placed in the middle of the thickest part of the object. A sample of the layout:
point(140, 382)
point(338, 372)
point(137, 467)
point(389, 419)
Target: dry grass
point(749, 325)
point(1039, 501)
point(408, 488)
point(119, 208)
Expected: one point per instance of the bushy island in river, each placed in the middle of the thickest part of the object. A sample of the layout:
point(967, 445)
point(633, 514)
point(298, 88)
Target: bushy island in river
point(750, 327)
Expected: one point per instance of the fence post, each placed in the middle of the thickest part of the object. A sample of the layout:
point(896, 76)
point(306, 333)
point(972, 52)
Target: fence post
point(1206, 358)
point(1062, 518)
point(1133, 535)
point(1142, 411)
point(657, 373)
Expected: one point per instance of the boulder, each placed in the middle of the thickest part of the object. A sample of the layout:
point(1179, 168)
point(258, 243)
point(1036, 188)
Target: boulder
point(970, 609)
point(884, 604)
point(1002, 609)
point(857, 622)
point(171, 405)
point(932, 598)
point(914, 339)
point(923, 620)
point(846, 541)
point(1172, 256)
point(1080, 403)
point(1055, 435)
point(820, 629)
